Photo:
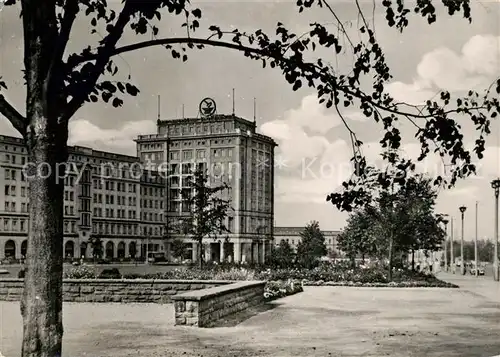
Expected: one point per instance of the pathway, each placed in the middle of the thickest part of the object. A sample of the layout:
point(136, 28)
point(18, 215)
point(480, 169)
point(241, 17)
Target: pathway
point(484, 286)
point(321, 321)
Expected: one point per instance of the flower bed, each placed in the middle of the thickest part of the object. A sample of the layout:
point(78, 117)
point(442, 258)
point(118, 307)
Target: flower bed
point(393, 284)
point(344, 275)
point(326, 274)
point(278, 289)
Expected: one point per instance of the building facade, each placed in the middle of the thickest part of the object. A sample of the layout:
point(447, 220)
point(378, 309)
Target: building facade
point(232, 152)
point(292, 236)
point(106, 195)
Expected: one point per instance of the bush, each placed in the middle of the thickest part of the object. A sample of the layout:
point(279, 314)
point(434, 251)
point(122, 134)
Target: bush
point(240, 274)
point(134, 276)
point(277, 289)
point(112, 273)
point(79, 272)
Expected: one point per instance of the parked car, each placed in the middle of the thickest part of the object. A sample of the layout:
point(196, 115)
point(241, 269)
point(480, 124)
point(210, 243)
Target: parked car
point(480, 270)
point(156, 257)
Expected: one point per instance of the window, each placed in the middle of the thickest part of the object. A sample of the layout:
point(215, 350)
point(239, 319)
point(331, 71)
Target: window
point(187, 155)
point(201, 154)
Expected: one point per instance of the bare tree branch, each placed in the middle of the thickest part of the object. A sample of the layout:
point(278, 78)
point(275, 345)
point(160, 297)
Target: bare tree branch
point(12, 115)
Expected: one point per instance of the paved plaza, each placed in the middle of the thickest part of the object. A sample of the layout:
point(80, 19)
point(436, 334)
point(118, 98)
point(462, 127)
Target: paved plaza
point(321, 321)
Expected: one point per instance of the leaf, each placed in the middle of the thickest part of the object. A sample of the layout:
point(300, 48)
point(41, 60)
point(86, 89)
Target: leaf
point(196, 13)
point(297, 85)
point(117, 102)
point(131, 89)
point(106, 96)
point(121, 87)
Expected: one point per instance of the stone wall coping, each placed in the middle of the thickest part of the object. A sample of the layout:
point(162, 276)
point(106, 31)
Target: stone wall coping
point(138, 281)
point(203, 294)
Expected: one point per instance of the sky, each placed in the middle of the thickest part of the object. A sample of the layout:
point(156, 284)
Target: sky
point(314, 151)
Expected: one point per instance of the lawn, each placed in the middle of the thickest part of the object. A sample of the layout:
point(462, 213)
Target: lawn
point(321, 321)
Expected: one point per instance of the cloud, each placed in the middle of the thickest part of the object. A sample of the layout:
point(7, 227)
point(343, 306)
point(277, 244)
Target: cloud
point(414, 94)
point(6, 128)
point(356, 116)
point(475, 67)
point(311, 115)
point(466, 193)
point(84, 133)
point(291, 133)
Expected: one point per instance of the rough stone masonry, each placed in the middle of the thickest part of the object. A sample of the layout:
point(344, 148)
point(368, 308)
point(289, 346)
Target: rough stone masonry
point(204, 308)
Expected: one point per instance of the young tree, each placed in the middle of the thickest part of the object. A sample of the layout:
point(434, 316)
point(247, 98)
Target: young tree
point(209, 211)
point(399, 221)
point(178, 248)
point(96, 247)
point(283, 255)
point(58, 84)
point(423, 229)
point(311, 246)
point(357, 238)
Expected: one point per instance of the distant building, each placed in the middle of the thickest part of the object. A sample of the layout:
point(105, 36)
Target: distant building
point(233, 152)
point(102, 197)
point(293, 237)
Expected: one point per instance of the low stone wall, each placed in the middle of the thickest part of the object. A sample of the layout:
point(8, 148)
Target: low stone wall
point(203, 308)
point(114, 290)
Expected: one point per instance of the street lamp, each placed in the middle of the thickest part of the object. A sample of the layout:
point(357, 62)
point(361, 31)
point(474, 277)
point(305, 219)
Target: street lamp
point(462, 263)
point(496, 186)
point(475, 246)
point(452, 247)
point(445, 222)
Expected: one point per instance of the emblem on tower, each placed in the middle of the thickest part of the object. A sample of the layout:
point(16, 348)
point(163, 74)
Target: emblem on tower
point(207, 108)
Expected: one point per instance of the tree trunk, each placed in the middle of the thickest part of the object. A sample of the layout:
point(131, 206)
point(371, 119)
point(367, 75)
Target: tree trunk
point(412, 260)
point(391, 243)
point(41, 305)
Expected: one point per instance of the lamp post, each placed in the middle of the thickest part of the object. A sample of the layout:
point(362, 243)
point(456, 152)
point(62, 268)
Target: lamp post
point(496, 186)
point(462, 263)
point(475, 247)
point(452, 252)
point(445, 222)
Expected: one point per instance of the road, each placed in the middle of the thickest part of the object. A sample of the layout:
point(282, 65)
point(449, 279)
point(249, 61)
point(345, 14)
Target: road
point(482, 285)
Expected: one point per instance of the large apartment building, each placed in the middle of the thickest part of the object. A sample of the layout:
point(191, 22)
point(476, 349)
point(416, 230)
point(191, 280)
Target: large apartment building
point(232, 152)
point(130, 202)
point(107, 195)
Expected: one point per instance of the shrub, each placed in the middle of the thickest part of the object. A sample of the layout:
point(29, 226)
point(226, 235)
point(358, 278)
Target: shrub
point(112, 273)
point(235, 274)
point(135, 276)
point(277, 289)
point(79, 272)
